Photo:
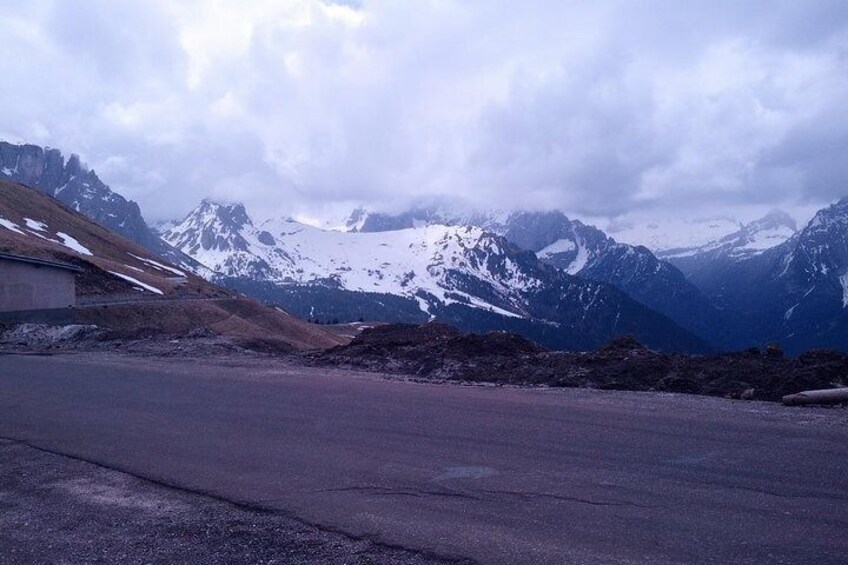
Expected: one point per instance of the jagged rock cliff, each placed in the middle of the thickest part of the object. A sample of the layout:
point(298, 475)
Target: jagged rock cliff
point(82, 190)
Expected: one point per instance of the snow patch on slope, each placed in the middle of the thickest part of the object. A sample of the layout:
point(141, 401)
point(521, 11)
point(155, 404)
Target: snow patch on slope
point(71, 243)
point(35, 225)
point(137, 282)
point(559, 246)
point(673, 234)
point(404, 262)
point(788, 313)
point(159, 266)
point(750, 240)
point(844, 282)
point(10, 225)
point(580, 260)
point(766, 239)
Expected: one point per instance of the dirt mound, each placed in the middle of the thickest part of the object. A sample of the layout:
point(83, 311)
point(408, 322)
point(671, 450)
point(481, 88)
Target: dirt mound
point(414, 341)
point(490, 345)
point(625, 343)
point(435, 352)
point(405, 335)
point(432, 351)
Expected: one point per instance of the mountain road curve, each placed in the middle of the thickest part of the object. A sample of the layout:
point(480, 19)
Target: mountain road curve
point(492, 474)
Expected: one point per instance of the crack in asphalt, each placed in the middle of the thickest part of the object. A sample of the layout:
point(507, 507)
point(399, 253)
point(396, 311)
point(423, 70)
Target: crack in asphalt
point(249, 505)
point(387, 491)
point(532, 495)
point(419, 493)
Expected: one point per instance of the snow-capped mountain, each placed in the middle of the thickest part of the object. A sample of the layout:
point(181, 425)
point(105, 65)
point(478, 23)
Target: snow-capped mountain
point(589, 253)
point(820, 252)
point(662, 235)
point(714, 265)
point(82, 190)
point(566, 244)
point(812, 280)
point(441, 212)
point(751, 239)
point(220, 237)
point(416, 263)
point(577, 249)
point(795, 293)
point(460, 274)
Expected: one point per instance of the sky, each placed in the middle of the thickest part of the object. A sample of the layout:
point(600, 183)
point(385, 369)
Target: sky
point(604, 109)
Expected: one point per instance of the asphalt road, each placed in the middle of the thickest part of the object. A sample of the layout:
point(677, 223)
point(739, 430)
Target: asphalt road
point(499, 475)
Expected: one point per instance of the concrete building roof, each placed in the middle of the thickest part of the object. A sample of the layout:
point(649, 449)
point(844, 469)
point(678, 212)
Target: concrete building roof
point(39, 262)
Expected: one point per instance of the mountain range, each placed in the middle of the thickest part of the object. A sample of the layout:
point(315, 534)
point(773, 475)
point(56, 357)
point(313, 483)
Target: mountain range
point(473, 278)
point(555, 279)
point(581, 250)
point(744, 289)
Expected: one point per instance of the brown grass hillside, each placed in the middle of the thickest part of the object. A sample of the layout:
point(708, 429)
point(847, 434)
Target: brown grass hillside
point(37, 225)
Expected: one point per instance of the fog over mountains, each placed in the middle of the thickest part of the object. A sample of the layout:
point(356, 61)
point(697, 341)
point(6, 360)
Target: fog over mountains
point(555, 279)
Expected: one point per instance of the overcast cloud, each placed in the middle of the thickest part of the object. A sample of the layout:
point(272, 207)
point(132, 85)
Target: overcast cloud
point(303, 106)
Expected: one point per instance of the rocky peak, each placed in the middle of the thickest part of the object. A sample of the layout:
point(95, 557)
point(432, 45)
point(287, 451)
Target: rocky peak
point(79, 188)
point(355, 220)
point(821, 249)
point(765, 233)
point(232, 217)
point(774, 219)
point(436, 212)
point(211, 226)
point(380, 222)
point(834, 217)
point(74, 166)
point(537, 230)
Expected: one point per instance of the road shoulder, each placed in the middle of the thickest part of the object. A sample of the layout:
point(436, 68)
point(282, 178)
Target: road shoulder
point(55, 509)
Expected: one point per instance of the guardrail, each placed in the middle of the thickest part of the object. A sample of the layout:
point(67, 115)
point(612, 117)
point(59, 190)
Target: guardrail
point(129, 298)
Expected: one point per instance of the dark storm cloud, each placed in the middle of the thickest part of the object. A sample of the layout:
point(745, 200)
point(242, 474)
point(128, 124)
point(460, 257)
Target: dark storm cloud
point(600, 108)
